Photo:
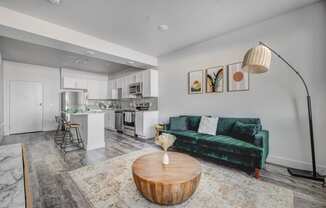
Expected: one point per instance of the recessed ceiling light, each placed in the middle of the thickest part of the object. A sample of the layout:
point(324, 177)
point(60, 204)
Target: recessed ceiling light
point(163, 27)
point(56, 2)
point(130, 62)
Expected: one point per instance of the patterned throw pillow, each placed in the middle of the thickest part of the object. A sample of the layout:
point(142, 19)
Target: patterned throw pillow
point(244, 132)
point(208, 125)
point(178, 123)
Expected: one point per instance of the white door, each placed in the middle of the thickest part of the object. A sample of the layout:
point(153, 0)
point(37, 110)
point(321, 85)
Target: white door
point(26, 107)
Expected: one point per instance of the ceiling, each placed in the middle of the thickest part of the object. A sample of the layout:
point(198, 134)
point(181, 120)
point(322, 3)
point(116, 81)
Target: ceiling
point(134, 24)
point(19, 51)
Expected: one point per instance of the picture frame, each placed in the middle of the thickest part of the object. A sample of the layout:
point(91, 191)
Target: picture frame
point(195, 82)
point(214, 79)
point(238, 79)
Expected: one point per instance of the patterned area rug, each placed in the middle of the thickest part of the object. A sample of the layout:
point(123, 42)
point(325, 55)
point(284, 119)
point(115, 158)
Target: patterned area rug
point(110, 184)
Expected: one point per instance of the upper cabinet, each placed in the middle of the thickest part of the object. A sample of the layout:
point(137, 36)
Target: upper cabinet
point(112, 89)
point(74, 83)
point(150, 83)
point(95, 84)
point(148, 78)
point(99, 87)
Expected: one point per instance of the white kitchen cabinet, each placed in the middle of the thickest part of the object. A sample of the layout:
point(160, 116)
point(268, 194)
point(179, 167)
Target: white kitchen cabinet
point(81, 83)
point(97, 89)
point(119, 83)
point(93, 88)
point(74, 83)
point(148, 78)
point(103, 92)
point(112, 90)
point(109, 121)
point(139, 77)
point(150, 83)
point(69, 82)
point(145, 122)
point(125, 89)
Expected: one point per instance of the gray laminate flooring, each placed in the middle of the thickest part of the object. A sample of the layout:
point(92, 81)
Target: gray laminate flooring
point(52, 188)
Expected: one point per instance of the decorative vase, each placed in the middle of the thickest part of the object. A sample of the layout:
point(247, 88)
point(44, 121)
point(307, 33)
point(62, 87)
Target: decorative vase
point(165, 159)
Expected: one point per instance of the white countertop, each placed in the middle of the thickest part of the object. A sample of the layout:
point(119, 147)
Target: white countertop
point(86, 113)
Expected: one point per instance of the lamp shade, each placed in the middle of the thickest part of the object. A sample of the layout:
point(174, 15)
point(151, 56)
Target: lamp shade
point(257, 60)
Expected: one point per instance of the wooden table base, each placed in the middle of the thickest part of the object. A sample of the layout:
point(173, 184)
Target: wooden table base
point(170, 184)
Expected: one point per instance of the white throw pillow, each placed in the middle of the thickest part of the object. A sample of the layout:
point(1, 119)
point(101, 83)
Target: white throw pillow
point(208, 125)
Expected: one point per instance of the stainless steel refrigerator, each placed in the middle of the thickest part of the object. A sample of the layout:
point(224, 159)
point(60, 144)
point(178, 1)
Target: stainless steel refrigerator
point(73, 101)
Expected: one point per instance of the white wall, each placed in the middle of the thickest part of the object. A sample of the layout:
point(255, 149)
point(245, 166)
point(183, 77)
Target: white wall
point(50, 79)
point(123, 73)
point(1, 100)
point(277, 97)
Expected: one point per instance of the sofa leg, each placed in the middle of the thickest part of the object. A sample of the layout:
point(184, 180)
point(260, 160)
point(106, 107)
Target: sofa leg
point(257, 173)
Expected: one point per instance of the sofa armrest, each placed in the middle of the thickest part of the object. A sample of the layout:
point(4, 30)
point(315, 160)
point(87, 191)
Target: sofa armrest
point(166, 126)
point(261, 140)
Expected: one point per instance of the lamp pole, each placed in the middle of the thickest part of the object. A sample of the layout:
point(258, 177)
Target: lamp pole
point(297, 172)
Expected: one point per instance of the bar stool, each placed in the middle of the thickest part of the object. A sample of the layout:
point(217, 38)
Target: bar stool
point(65, 139)
point(58, 137)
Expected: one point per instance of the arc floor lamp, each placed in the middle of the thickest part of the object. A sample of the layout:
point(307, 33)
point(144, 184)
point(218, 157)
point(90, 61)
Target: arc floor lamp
point(258, 60)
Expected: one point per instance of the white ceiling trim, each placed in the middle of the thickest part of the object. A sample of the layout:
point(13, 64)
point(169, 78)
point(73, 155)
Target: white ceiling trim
point(27, 28)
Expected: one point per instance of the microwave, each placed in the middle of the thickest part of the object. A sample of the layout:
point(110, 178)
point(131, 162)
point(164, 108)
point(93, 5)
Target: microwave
point(136, 88)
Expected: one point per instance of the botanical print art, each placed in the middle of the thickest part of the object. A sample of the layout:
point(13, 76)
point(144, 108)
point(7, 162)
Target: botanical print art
point(214, 79)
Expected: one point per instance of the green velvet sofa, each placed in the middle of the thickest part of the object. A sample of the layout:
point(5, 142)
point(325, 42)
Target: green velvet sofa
point(222, 147)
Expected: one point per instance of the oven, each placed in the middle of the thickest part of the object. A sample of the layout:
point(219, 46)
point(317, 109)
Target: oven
point(129, 122)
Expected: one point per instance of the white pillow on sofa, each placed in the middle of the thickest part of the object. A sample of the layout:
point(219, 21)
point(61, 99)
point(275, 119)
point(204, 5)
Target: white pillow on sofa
point(208, 125)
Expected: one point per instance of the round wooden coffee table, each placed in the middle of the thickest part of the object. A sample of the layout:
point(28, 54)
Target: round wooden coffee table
point(166, 184)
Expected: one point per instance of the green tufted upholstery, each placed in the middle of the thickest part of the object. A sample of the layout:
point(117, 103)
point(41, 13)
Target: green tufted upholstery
point(193, 122)
point(222, 147)
point(225, 125)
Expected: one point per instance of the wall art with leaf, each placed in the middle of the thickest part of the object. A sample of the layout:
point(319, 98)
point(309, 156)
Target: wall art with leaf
point(214, 79)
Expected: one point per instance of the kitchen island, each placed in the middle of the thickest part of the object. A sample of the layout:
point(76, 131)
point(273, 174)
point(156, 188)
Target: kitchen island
point(91, 128)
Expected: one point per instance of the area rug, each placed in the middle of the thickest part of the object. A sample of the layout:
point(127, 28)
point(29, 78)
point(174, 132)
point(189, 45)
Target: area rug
point(110, 184)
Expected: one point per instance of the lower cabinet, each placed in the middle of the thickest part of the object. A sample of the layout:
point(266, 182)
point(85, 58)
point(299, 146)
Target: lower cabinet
point(145, 122)
point(109, 120)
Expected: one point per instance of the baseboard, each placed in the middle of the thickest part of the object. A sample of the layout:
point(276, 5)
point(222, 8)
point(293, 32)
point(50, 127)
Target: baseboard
point(295, 164)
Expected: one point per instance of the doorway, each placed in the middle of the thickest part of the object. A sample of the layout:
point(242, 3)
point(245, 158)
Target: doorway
point(26, 107)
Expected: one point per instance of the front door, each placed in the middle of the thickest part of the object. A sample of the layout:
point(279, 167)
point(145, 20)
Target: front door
point(26, 107)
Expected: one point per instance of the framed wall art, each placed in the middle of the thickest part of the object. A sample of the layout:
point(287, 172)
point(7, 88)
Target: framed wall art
point(238, 79)
point(214, 79)
point(195, 82)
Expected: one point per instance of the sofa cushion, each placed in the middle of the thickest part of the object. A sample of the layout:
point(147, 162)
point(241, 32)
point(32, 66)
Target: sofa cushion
point(193, 122)
point(178, 123)
point(225, 125)
point(208, 125)
point(185, 136)
point(245, 132)
point(228, 144)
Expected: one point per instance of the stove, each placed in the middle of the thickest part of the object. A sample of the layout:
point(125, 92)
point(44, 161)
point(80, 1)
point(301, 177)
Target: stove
point(129, 122)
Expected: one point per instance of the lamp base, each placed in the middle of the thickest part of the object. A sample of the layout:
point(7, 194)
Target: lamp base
point(306, 174)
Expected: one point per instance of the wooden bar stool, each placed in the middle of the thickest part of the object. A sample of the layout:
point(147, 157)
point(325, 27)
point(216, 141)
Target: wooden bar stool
point(66, 141)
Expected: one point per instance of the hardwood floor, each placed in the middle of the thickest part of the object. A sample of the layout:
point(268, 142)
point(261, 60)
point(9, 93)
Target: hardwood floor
point(52, 188)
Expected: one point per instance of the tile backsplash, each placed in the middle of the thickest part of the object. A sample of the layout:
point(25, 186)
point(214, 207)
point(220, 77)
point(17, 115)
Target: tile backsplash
point(125, 103)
